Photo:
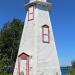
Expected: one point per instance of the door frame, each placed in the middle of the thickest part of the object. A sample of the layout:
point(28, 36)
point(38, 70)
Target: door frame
point(26, 57)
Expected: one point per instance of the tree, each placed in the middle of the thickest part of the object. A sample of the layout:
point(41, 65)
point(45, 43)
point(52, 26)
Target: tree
point(10, 36)
point(71, 71)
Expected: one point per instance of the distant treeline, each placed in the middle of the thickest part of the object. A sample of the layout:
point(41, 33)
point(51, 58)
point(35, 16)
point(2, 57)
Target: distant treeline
point(66, 67)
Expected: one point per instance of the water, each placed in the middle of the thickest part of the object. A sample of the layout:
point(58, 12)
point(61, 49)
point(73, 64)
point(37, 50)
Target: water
point(64, 70)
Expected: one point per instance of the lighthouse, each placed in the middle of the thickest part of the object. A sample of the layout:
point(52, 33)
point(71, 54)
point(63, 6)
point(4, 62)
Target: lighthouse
point(37, 53)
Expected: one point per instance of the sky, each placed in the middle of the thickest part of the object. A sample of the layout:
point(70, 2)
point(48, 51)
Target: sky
point(62, 18)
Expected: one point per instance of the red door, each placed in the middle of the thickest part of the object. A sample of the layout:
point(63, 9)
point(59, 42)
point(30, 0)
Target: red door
point(23, 64)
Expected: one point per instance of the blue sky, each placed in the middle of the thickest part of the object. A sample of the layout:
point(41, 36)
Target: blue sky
point(63, 22)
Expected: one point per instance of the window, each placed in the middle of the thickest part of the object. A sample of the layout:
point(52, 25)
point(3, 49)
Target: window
point(45, 34)
point(31, 13)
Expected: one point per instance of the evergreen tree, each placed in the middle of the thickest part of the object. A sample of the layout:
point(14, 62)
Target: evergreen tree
point(10, 36)
point(71, 71)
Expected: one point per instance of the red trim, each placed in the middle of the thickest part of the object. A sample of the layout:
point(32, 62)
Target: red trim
point(26, 57)
point(22, 54)
point(48, 35)
point(42, 34)
point(45, 26)
point(18, 66)
point(32, 13)
point(27, 66)
point(26, 1)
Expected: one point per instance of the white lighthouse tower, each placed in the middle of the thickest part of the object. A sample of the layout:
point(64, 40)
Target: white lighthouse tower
point(37, 53)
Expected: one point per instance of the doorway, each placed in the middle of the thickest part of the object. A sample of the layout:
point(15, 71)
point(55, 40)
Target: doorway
point(23, 64)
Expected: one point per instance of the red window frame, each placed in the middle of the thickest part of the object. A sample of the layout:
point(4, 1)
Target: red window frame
point(44, 34)
point(31, 13)
point(26, 57)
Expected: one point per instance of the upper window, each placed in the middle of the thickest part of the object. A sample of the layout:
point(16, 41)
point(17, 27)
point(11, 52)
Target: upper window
point(45, 34)
point(31, 13)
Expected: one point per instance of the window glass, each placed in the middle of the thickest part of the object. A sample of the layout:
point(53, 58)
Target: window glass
point(31, 13)
point(45, 34)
